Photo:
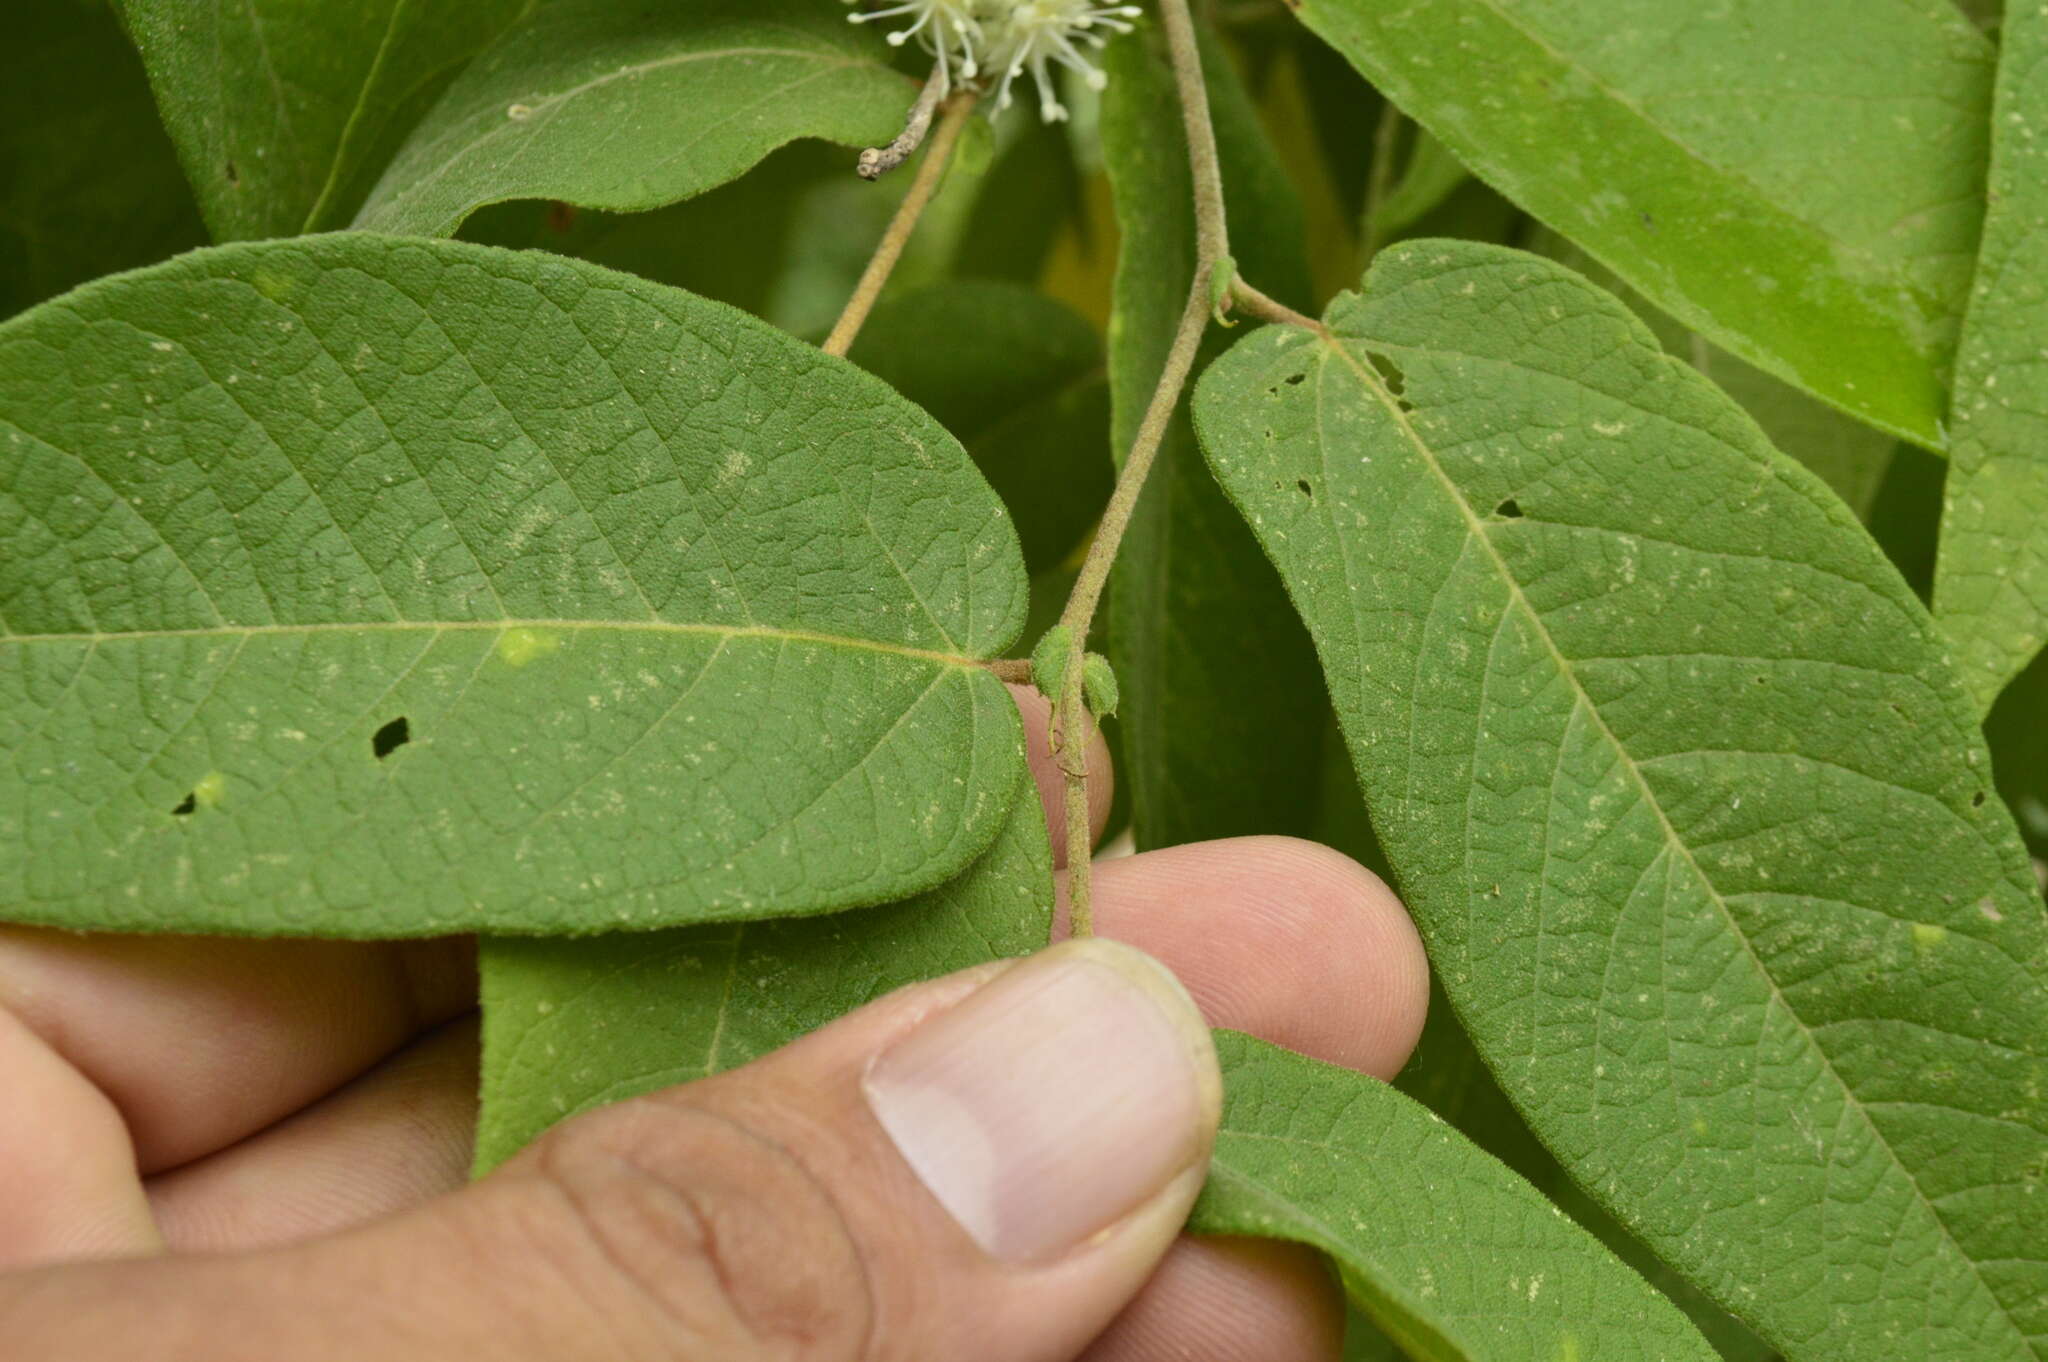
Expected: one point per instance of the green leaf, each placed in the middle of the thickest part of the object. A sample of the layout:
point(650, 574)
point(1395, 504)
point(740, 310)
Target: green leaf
point(368, 587)
point(1691, 811)
point(1799, 183)
point(1991, 576)
point(1428, 177)
point(570, 1025)
point(1018, 380)
point(1447, 1250)
point(1850, 457)
point(284, 112)
point(627, 107)
point(88, 181)
point(1217, 738)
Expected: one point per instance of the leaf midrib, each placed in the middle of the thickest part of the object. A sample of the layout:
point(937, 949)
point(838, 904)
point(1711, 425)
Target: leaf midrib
point(243, 631)
point(1330, 342)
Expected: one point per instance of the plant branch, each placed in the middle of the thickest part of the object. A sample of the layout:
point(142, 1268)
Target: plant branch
point(876, 162)
point(1215, 283)
point(1071, 724)
point(953, 117)
point(1212, 231)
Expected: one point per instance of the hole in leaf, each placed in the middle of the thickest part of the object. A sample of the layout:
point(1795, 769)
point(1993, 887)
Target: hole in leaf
point(187, 805)
point(1977, 800)
point(1509, 509)
point(390, 738)
point(1390, 372)
point(1295, 380)
point(1303, 487)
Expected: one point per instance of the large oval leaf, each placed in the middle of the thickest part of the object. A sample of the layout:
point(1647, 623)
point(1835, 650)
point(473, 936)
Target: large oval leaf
point(284, 112)
point(1448, 1250)
point(366, 587)
point(1991, 576)
point(1801, 183)
point(1693, 812)
point(627, 107)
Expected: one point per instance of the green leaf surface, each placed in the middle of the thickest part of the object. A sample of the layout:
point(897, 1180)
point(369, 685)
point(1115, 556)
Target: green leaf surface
point(285, 112)
point(1449, 1252)
point(368, 587)
point(1991, 575)
point(1429, 176)
point(627, 107)
point(1800, 183)
point(1220, 734)
point(1693, 814)
point(1850, 457)
point(570, 1025)
point(89, 184)
point(1018, 379)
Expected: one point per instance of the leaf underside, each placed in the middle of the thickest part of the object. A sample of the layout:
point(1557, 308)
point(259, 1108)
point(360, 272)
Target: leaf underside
point(629, 107)
point(569, 1025)
point(1991, 572)
point(1448, 1251)
point(1800, 183)
point(1694, 816)
point(372, 588)
point(284, 112)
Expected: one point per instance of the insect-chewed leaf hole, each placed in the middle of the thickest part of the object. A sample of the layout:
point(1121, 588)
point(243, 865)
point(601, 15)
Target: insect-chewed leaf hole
point(186, 805)
point(390, 738)
point(1302, 487)
point(1296, 380)
point(1977, 800)
point(1509, 510)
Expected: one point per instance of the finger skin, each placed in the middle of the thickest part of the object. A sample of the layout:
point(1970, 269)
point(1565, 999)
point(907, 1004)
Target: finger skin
point(395, 1137)
point(762, 1213)
point(67, 1179)
point(1299, 945)
point(199, 1042)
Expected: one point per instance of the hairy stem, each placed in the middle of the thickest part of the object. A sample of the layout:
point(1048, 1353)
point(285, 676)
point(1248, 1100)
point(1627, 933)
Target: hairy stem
point(1212, 232)
point(1071, 727)
point(876, 162)
point(952, 119)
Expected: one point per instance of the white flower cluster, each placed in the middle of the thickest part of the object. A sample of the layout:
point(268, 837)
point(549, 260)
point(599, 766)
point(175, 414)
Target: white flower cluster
point(971, 38)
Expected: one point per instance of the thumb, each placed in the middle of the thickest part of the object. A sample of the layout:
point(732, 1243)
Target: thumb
point(987, 1165)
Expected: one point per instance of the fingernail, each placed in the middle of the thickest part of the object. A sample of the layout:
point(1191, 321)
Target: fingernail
point(1056, 1100)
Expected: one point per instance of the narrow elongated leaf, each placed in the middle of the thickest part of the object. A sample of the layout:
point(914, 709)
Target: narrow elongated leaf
point(1991, 575)
point(89, 184)
point(284, 112)
point(569, 1025)
point(1211, 747)
point(628, 107)
point(1850, 456)
point(1693, 814)
point(367, 587)
point(1018, 379)
point(1448, 1251)
point(1800, 183)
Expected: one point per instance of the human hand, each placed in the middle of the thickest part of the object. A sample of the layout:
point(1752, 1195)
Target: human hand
point(223, 1149)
